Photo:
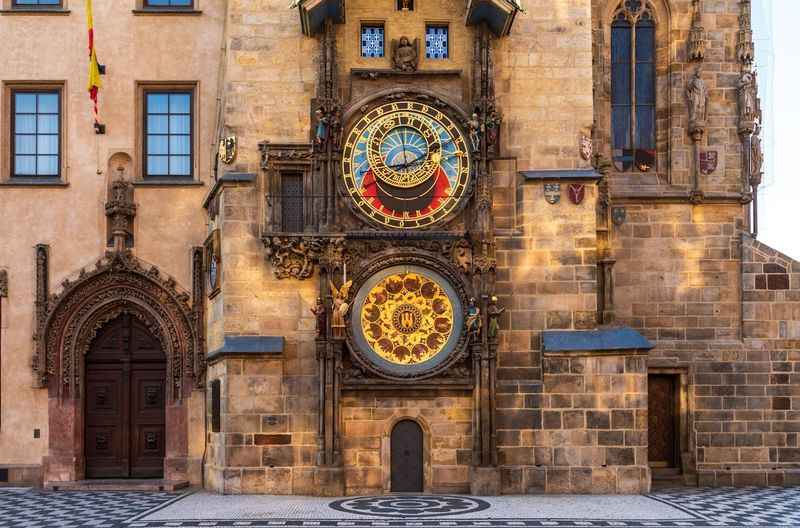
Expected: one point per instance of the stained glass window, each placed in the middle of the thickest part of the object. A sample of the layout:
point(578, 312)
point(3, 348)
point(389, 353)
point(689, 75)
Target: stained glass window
point(633, 87)
point(372, 41)
point(168, 134)
point(36, 127)
point(437, 42)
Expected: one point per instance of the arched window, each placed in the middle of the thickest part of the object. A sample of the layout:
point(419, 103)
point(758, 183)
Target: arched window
point(633, 86)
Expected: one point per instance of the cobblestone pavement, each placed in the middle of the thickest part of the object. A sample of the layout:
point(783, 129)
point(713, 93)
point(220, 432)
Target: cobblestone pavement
point(677, 508)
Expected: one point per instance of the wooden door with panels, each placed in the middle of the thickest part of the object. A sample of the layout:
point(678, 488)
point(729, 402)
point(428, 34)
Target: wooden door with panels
point(125, 402)
point(663, 440)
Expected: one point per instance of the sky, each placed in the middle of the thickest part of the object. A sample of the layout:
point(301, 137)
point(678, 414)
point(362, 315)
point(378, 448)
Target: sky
point(775, 26)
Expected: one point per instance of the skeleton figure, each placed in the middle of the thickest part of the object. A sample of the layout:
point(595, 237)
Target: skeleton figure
point(340, 307)
point(405, 54)
point(494, 312)
point(474, 132)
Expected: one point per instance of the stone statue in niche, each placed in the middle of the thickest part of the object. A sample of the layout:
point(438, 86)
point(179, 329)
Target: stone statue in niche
point(756, 158)
point(474, 321)
point(748, 107)
point(697, 96)
point(405, 54)
point(321, 316)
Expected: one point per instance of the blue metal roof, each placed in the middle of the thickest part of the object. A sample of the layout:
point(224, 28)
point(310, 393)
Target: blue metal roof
point(594, 340)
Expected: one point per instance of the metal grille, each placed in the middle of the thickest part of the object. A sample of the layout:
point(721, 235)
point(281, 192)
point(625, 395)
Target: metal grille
point(292, 203)
point(436, 42)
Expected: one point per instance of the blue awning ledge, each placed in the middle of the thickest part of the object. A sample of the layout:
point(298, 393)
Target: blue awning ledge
point(605, 341)
point(248, 346)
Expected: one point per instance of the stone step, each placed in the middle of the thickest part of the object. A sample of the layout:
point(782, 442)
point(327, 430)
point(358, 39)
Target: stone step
point(118, 485)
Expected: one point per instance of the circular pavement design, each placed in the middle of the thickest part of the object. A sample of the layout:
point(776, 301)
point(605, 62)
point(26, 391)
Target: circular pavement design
point(410, 506)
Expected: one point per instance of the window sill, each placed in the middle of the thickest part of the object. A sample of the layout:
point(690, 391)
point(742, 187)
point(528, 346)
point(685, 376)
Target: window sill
point(168, 182)
point(34, 182)
point(35, 11)
point(167, 12)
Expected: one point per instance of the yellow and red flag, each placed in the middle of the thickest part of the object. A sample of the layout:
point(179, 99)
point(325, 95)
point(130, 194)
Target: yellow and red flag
point(94, 68)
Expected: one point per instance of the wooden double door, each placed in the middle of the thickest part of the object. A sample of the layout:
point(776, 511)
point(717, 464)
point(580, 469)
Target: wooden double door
point(125, 402)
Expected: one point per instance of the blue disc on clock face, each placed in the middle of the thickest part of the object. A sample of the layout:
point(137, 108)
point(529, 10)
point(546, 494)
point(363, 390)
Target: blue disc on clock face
point(406, 165)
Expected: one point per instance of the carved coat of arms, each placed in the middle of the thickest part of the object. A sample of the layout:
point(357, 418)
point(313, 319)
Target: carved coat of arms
point(552, 193)
point(618, 215)
point(227, 150)
point(586, 148)
point(708, 161)
point(576, 193)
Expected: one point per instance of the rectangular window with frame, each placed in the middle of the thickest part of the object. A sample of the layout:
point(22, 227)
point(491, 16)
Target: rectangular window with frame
point(168, 4)
point(36, 133)
point(437, 41)
point(372, 40)
point(35, 4)
point(168, 133)
point(292, 210)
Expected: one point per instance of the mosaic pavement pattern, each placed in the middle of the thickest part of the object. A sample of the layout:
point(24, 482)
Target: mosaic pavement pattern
point(678, 508)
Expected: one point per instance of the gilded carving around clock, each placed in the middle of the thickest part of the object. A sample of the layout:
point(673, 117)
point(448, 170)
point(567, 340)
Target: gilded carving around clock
point(407, 319)
point(406, 165)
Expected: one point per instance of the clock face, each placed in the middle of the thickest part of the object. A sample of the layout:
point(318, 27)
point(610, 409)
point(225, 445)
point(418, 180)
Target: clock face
point(406, 165)
point(407, 319)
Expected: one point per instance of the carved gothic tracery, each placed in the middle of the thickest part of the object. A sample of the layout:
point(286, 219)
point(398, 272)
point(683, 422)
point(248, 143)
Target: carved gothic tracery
point(119, 283)
point(697, 40)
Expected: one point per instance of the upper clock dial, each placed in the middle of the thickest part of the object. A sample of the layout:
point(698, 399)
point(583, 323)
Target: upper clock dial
point(406, 165)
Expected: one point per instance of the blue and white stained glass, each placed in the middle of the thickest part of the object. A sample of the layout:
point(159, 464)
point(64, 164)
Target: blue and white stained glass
point(372, 41)
point(437, 42)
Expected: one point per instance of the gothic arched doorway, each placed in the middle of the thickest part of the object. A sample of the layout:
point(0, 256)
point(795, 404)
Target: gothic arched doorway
point(125, 402)
point(407, 457)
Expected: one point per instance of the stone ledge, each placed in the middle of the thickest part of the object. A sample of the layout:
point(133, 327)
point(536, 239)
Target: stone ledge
point(228, 178)
point(612, 341)
point(248, 346)
point(118, 485)
point(561, 175)
point(724, 478)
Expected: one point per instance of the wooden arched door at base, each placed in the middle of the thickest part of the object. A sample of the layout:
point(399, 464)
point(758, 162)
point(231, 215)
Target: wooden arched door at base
point(125, 402)
point(407, 464)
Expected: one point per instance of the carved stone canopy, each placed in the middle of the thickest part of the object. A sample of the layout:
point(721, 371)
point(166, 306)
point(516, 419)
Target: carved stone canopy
point(119, 283)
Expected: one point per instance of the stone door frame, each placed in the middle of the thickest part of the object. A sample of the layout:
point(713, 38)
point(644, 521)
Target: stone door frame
point(684, 413)
point(386, 450)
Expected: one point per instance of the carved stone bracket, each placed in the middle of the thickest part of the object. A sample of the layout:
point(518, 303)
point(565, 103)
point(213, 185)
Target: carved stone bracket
point(38, 363)
point(296, 257)
point(119, 283)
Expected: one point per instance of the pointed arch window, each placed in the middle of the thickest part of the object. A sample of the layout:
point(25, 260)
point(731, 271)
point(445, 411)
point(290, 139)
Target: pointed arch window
point(633, 86)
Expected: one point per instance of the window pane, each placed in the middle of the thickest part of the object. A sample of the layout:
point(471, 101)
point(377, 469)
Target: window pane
point(372, 41)
point(157, 144)
point(436, 42)
point(179, 145)
point(157, 166)
point(48, 124)
point(179, 124)
point(48, 165)
point(621, 123)
point(179, 103)
point(157, 124)
point(48, 103)
point(25, 103)
point(179, 166)
point(25, 124)
point(645, 42)
point(645, 83)
point(157, 103)
point(621, 84)
point(24, 165)
point(645, 127)
point(47, 144)
point(25, 144)
point(621, 43)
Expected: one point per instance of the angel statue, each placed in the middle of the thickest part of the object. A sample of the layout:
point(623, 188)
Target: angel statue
point(340, 307)
point(405, 55)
